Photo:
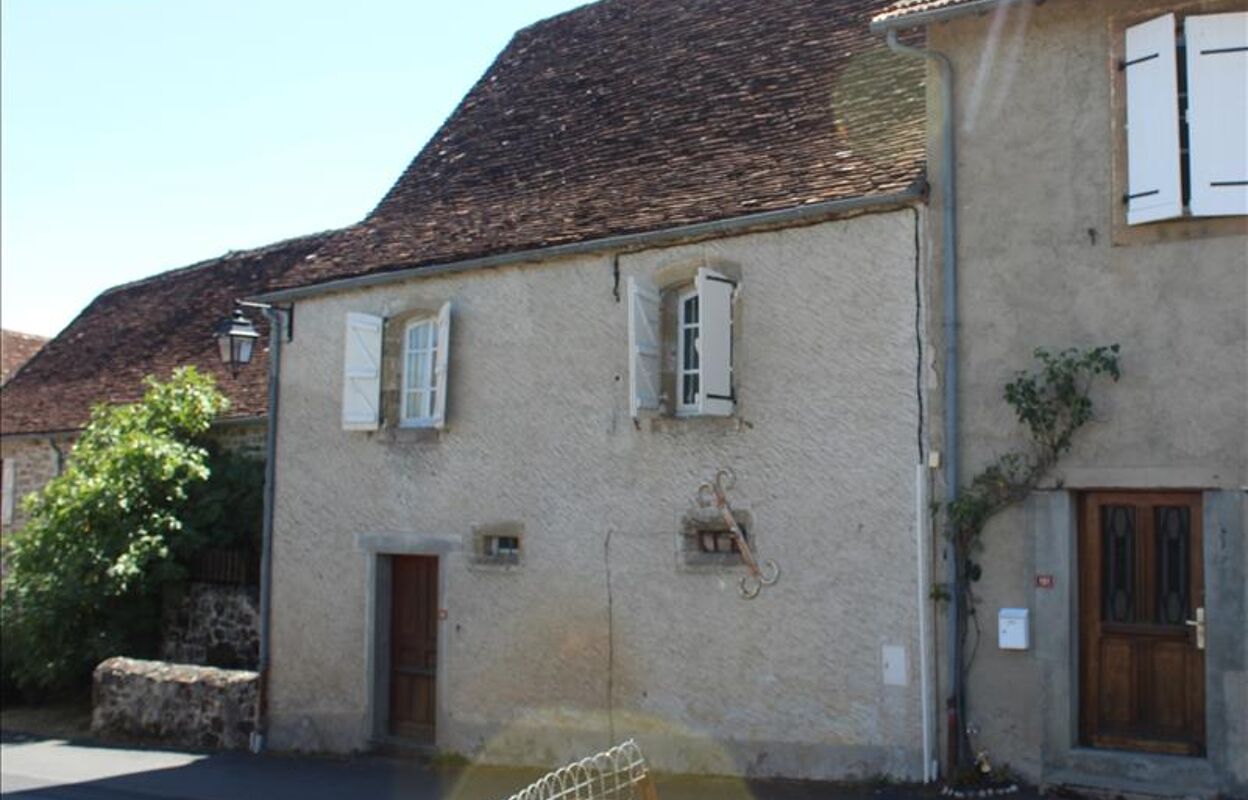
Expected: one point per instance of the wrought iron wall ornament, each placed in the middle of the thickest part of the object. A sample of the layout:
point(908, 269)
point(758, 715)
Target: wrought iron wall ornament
point(715, 493)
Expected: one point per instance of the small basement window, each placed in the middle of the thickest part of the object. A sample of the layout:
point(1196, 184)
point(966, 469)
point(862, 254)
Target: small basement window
point(498, 544)
point(720, 541)
point(706, 540)
point(502, 546)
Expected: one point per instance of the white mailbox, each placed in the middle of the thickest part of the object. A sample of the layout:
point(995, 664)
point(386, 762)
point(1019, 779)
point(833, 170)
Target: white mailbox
point(1013, 629)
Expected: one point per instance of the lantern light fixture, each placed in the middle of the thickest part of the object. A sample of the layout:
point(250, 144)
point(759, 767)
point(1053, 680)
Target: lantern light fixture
point(236, 339)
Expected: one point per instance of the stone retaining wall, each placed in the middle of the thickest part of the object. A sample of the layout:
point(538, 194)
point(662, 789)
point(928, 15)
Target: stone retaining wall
point(212, 624)
point(177, 704)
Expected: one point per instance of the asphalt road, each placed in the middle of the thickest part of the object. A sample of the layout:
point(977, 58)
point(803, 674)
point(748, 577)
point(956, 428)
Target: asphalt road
point(54, 769)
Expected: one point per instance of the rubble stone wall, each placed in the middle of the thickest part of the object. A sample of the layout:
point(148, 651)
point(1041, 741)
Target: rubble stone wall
point(214, 625)
point(177, 704)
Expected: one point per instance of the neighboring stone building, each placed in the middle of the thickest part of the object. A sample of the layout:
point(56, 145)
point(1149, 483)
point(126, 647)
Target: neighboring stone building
point(657, 239)
point(1101, 196)
point(15, 350)
point(143, 328)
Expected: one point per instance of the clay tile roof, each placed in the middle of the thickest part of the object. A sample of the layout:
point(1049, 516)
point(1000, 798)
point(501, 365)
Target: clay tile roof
point(912, 8)
point(149, 327)
point(632, 115)
point(15, 350)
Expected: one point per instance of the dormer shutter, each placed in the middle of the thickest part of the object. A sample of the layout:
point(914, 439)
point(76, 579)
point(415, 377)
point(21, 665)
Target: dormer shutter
point(715, 397)
point(442, 358)
point(1154, 188)
point(644, 374)
point(361, 373)
point(1217, 112)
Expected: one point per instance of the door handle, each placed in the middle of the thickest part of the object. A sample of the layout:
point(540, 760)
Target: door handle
point(1199, 625)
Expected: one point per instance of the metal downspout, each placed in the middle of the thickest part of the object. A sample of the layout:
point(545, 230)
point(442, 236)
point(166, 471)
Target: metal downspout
point(276, 317)
point(949, 239)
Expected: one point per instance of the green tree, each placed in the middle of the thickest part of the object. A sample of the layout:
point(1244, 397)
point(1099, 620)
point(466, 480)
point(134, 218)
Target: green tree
point(84, 574)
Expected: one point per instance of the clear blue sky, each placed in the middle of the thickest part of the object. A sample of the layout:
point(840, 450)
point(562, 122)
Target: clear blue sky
point(141, 135)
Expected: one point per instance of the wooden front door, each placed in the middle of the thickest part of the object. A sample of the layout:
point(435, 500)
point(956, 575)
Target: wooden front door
point(413, 646)
point(1141, 581)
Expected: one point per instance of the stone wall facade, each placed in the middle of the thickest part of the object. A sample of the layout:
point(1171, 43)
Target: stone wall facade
point(34, 463)
point(246, 437)
point(176, 704)
point(214, 625)
point(36, 460)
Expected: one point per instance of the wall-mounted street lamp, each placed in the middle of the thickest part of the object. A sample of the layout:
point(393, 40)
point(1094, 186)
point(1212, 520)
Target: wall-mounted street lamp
point(236, 338)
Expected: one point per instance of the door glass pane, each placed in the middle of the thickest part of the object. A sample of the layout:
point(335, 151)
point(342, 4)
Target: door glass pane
point(1173, 525)
point(1118, 554)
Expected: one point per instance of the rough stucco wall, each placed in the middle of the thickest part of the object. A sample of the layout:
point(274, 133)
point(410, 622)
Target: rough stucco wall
point(598, 634)
point(1037, 268)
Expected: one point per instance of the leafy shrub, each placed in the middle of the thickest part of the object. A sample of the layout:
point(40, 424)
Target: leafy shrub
point(85, 572)
point(226, 510)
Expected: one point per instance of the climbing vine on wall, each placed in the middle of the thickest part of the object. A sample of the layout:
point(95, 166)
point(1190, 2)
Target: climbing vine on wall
point(1053, 403)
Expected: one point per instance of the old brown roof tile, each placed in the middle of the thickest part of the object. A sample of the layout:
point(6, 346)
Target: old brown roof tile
point(633, 115)
point(149, 327)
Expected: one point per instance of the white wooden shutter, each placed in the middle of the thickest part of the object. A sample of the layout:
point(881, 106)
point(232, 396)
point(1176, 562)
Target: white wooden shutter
point(361, 373)
point(644, 375)
point(1217, 112)
point(715, 397)
point(441, 358)
point(1154, 189)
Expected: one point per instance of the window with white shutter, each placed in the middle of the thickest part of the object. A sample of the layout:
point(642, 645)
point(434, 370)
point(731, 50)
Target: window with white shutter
point(644, 373)
point(1154, 183)
point(1184, 84)
point(692, 324)
point(422, 400)
point(361, 373)
point(1217, 112)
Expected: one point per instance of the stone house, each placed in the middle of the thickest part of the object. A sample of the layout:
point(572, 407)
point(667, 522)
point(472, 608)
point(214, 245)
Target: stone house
point(147, 327)
point(1101, 197)
point(654, 241)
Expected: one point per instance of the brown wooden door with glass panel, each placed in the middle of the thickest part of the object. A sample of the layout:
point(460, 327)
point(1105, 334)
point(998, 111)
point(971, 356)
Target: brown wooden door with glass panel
point(413, 646)
point(1141, 610)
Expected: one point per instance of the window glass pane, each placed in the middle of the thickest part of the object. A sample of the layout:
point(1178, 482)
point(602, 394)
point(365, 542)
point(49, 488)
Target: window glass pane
point(691, 310)
point(409, 371)
point(412, 407)
point(691, 348)
point(418, 336)
point(1173, 526)
point(689, 389)
point(1118, 564)
point(421, 372)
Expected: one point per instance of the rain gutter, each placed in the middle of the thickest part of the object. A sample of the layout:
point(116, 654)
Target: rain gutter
point(949, 251)
point(921, 18)
point(277, 325)
point(810, 213)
